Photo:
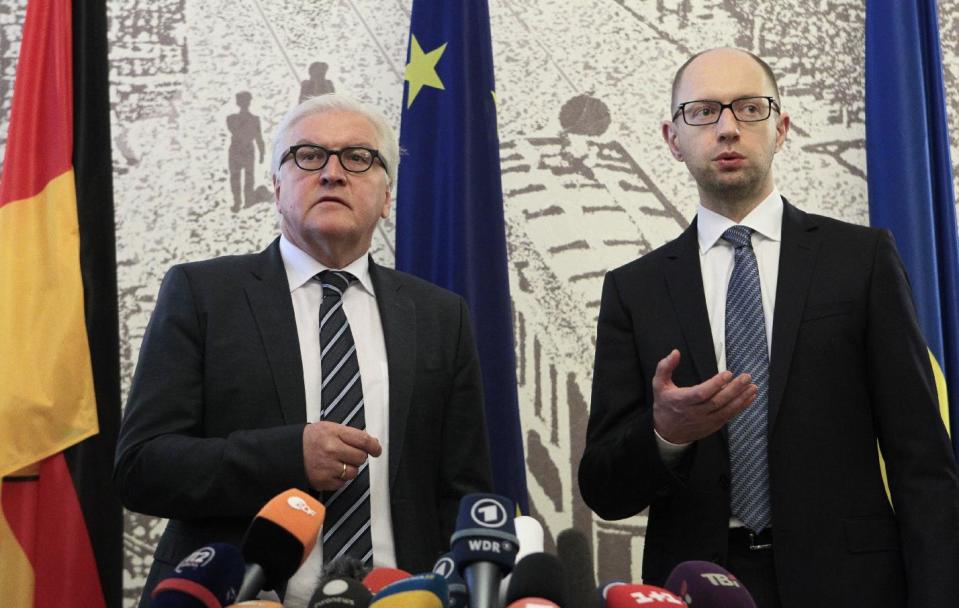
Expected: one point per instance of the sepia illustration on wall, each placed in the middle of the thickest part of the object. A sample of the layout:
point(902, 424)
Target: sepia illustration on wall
point(582, 86)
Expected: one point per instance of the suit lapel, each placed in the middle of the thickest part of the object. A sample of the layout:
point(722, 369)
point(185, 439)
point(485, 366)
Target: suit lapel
point(268, 293)
point(797, 256)
point(398, 315)
point(684, 280)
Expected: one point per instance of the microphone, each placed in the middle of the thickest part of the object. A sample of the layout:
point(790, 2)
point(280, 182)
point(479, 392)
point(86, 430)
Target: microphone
point(484, 545)
point(602, 591)
point(345, 566)
point(420, 591)
point(708, 585)
point(533, 602)
point(648, 596)
point(340, 591)
point(446, 567)
point(381, 577)
point(207, 578)
point(574, 551)
point(278, 541)
point(530, 534)
point(539, 575)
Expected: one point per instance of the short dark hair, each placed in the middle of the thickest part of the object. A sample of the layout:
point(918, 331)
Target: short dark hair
point(679, 75)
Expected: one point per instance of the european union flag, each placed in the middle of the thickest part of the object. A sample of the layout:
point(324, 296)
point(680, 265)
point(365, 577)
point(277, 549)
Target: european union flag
point(450, 228)
point(910, 174)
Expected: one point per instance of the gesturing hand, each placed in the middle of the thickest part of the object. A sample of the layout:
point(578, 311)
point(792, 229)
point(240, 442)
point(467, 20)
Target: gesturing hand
point(685, 414)
point(333, 453)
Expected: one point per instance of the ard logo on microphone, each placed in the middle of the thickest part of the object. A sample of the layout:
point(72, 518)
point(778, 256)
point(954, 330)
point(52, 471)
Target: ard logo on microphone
point(489, 513)
point(445, 567)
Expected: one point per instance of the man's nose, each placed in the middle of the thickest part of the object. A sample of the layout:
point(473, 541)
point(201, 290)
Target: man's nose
point(333, 172)
point(728, 126)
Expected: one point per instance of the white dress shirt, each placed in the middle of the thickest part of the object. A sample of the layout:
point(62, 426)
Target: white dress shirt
point(716, 261)
point(359, 304)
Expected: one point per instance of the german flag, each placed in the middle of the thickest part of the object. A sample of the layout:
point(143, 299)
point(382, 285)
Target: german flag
point(60, 524)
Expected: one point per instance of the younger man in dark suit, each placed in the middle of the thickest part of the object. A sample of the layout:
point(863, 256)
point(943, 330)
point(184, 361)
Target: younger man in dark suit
point(745, 371)
point(308, 365)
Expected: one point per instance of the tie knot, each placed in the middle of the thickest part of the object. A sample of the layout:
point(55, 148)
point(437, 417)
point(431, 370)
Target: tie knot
point(334, 282)
point(739, 236)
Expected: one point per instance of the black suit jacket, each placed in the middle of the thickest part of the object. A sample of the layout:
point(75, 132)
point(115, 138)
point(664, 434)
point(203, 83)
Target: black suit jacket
point(213, 427)
point(848, 367)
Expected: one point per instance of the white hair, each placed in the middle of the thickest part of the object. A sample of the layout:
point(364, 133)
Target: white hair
point(386, 143)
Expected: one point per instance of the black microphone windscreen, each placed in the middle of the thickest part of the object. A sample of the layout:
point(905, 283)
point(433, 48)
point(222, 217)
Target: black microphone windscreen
point(573, 549)
point(345, 566)
point(538, 575)
point(340, 591)
point(211, 574)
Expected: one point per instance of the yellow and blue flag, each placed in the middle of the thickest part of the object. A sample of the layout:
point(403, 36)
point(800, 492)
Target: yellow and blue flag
point(910, 173)
point(450, 228)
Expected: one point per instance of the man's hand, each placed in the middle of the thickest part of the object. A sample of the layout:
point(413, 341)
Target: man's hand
point(328, 446)
point(686, 414)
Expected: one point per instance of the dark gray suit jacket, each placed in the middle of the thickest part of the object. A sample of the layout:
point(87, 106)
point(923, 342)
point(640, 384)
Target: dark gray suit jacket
point(848, 367)
point(213, 427)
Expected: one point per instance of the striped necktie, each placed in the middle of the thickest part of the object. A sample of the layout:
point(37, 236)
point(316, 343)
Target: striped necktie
point(346, 529)
point(746, 352)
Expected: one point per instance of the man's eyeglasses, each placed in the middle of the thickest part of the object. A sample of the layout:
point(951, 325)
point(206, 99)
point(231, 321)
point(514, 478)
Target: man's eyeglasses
point(310, 157)
point(707, 112)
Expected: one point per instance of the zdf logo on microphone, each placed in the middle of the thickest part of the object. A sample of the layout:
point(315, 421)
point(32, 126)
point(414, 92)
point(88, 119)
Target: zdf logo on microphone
point(489, 513)
point(299, 504)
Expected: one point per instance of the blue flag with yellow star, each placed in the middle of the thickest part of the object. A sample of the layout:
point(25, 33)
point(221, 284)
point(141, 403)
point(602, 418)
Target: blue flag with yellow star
point(449, 211)
point(910, 173)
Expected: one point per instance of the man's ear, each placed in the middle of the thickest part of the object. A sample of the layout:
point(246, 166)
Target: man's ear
point(782, 128)
point(672, 140)
point(387, 203)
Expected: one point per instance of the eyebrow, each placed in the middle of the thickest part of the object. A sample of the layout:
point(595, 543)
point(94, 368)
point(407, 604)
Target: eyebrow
point(313, 143)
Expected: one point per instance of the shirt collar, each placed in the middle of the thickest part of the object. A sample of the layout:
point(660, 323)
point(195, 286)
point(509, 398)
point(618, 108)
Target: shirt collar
point(301, 267)
point(766, 219)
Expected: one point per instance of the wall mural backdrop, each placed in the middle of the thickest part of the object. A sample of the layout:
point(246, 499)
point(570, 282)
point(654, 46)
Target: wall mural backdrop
point(197, 88)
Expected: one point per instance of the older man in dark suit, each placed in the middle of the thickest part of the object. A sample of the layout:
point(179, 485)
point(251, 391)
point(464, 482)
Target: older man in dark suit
point(746, 370)
point(308, 365)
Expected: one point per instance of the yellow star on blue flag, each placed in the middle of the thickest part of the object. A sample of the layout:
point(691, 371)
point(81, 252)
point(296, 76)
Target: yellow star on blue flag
point(421, 70)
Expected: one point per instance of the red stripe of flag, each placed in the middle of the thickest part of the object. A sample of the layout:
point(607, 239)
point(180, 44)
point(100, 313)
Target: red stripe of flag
point(40, 135)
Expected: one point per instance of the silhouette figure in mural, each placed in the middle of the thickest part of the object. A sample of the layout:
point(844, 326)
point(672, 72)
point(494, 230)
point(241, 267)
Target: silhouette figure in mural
point(245, 133)
point(317, 83)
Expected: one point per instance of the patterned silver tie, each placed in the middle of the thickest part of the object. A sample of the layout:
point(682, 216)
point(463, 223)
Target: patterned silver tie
point(746, 352)
point(346, 528)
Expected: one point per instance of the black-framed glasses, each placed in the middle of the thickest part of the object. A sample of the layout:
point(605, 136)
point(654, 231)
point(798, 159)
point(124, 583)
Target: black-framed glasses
point(707, 111)
point(311, 157)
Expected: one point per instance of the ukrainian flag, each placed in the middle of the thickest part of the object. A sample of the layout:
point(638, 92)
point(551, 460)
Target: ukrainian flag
point(910, 173)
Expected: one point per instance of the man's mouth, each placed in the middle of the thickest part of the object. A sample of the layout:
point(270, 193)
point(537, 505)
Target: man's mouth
point(729, 160)
point(331, 199)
